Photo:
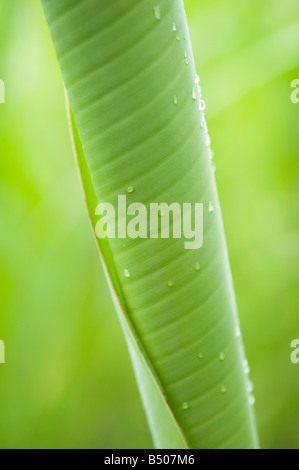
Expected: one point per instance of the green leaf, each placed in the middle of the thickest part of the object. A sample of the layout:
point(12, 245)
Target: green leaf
point(129, 73)
point(165, 430)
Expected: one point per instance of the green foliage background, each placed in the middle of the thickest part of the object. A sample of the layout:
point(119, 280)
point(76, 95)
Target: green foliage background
point(67, 381)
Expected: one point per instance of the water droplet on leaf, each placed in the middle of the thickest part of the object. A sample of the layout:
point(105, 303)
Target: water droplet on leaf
point(251, 400)
point(157, 12)
point(197, 266)
point(202, 105)
point(221, 356)
point(246, 367)
point(250, 386)
point(208, 140)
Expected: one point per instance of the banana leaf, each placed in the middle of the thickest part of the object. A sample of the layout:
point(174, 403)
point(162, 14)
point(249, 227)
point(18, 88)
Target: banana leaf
point(139, 130)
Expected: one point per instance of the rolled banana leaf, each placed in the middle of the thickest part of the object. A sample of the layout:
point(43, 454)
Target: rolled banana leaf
point(139, 131)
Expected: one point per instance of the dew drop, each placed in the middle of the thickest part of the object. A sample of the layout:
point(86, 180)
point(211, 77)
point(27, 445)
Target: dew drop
point(185, 405)
point(157, 12)
point(202, 105)
point(175, 100)
point(223, 389)
point(249, 386)
point(185, 55)
point(211, 207)
point(200, 356)
point(246, 367)
point(208, 140)
point(196, 79)
point(126, 273)
point(178, 38)
point(238, 331)
point(170, 283)
point(251, 400)
point(130, 189)
point(221, 356)
point(197, 266)
point(214, 166)
point(174, 27)
point(187, 61)
point(194, 93)
point(211, 154)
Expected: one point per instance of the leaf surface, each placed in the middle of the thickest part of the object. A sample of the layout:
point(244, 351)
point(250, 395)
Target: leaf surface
point(129, 73)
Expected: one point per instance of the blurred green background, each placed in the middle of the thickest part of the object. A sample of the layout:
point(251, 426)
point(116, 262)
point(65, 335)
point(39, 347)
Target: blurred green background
point(67, 381)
